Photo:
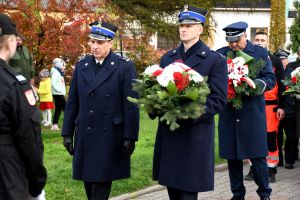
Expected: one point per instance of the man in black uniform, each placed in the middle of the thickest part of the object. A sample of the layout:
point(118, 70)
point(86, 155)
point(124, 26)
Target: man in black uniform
point(22, 173)
point(288, 124)
point(275, 102)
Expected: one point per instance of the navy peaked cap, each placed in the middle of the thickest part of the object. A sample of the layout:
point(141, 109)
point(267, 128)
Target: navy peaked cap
point(192, 15)
point(234, 31)
point(281, 53)
point(102, 30)
point(7, 27)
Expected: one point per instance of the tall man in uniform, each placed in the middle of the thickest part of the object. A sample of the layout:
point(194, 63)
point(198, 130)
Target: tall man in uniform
point(22, 174)
point(184, 158)
point(98, 116)
point(275, 102)
point(242, 132)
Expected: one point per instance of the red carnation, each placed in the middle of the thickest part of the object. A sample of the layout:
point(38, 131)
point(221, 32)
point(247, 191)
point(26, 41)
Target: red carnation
point(294, 79)
point(231, 91)
point(157, 72)
point(229, 61)
point(181, 80)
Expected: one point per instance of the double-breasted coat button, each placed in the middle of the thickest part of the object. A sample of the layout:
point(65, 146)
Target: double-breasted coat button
point(237, 120)
point(88, 128)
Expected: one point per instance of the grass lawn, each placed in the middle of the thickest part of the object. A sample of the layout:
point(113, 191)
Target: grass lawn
point(60, 184)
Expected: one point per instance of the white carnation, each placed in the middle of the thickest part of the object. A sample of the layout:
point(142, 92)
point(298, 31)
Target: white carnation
point(151, 69)
point(195, 76)
point(238, 61)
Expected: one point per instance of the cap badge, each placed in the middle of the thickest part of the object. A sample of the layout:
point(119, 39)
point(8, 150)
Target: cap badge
point(112, 63)
point(185, 8)
point(86, 64)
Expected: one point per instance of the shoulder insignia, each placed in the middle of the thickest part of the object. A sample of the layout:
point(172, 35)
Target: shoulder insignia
point(20, 78)
point(30, 97)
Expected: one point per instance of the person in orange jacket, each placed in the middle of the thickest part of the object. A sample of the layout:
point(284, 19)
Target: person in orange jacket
point(275, 102)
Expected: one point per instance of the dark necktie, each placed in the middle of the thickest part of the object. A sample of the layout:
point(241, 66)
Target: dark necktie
point(97, 67)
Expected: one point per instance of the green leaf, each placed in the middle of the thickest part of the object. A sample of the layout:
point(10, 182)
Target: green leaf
point(193, 94)
point(162, 95)
point(171, 87)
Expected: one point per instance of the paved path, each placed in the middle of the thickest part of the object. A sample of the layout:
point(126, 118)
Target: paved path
point(287, 187)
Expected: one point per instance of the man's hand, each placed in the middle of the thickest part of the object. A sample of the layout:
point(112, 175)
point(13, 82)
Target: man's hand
point(280, 114)
point(68, 144)
point(128, 148)
point(260, 85)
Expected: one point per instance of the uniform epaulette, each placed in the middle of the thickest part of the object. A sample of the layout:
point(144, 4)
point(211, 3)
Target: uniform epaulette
point(217, 53)
point(20, 78)
point(83, 58)
point(222, 48)
point(124, 59)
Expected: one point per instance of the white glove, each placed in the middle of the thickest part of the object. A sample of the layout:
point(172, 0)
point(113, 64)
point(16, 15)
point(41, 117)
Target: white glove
point(41, 196)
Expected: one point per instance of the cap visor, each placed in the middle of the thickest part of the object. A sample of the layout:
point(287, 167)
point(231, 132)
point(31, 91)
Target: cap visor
point(189, 22)
point(232, 38)
point(99, 37)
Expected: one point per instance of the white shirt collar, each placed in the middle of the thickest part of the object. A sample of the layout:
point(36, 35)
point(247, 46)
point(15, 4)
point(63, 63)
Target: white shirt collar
point(99, 61)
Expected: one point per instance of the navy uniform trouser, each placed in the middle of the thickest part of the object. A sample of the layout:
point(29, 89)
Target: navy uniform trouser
point(176, 194)
point(97, 190)
point(260, 175)
point(13, 182)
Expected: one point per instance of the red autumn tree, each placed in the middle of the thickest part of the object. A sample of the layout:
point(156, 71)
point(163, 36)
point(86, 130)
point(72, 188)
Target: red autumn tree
point(53, 28)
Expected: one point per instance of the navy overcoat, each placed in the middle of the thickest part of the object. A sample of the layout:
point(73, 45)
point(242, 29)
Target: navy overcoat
point(184, 158)
point(100, 117)
point(243, 132)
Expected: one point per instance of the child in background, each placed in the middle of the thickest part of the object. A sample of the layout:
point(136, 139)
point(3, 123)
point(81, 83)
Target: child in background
point(46, 100)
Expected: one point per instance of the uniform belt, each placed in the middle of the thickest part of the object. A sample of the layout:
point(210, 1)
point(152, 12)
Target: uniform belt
point(271, 102)
point(6, 139)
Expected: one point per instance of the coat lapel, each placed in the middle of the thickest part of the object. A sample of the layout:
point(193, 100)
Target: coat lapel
point(88, 71)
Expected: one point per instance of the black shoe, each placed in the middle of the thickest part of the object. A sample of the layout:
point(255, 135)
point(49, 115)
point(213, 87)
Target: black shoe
point(272, 172)
point(237, 198)
point(280, 164)
point(289, 166)
point(249, 176)
point(265, 198)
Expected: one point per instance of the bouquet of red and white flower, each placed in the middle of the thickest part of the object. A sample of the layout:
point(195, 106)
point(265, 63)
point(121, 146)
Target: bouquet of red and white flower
point(241, 72)
point(293, 83)
point(174, 93)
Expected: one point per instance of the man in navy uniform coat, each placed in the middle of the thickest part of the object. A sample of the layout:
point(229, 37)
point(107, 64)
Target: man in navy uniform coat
point(184, 158)
point(242, 132)
point(103, 123)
